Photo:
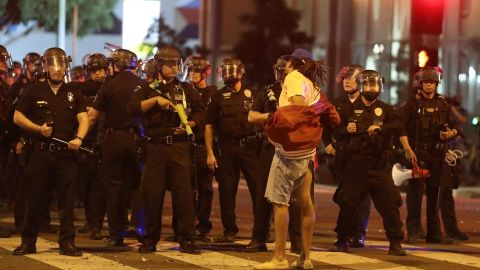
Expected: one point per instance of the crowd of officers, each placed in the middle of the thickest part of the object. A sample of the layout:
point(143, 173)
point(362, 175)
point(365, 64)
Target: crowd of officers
point(122, 133)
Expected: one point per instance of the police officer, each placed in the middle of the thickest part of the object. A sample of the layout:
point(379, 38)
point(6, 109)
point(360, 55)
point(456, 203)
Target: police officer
point(5, 62)
point(367, 170)
point(168, 161)
point(335, 146)
point(91, 180)
point(51, 110)
point(238, 144)
point(426, 116)
point(266, 101)
point(148, 70)
point(198, 70)
point(119, 151)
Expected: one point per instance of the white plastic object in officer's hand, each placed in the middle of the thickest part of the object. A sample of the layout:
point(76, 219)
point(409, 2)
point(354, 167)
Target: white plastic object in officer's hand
point(184, 118)
point(451, 157)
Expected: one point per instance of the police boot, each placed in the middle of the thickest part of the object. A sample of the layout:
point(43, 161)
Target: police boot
point(69, 249)
point(357, 242)
point(148, 246)
point(396, 248)
point(341, 246)
point(24, 249)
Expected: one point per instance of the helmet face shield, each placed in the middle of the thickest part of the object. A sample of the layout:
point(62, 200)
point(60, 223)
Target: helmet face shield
point(229, 72)
point(5, 61)
point(371, 84)
point(57, 62)
point(172, 63)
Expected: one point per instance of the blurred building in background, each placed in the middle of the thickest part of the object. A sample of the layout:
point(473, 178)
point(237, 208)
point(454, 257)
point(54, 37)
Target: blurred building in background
point(386, 35)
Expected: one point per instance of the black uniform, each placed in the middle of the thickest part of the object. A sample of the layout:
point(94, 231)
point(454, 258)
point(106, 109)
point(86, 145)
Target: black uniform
point(90, 176)
point(238, 149)
point(51, 164)
point(367, 170)
point(338, 138)
point(168, 160)
point(203, 174)
point(120, 162)
point(424, 119)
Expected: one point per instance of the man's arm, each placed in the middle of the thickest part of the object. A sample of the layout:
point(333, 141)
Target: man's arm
point(83, 122)
point(92, 116)
point(23, 122)
point(211, 160)
point(257, 117)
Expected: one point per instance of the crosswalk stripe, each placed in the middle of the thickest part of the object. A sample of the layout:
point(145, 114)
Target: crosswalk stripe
point(208, 259)
point(348, 260)
point(440, 255)
point(46, 255)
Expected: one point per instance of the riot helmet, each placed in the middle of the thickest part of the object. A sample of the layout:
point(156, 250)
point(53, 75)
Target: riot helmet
point(347, 76)
point(148, 70)
point(197, 64)
point(94, 61)
point(279, 68)
point(124, 59)
point(231, 70)
point(169, 56)
point(430, 74)
point(29, 61)
point(5, 59)
point(78, 74)
point(56, 63)
point(370, 84)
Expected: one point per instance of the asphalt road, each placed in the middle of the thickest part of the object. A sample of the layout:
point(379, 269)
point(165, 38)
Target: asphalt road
point(460, 255)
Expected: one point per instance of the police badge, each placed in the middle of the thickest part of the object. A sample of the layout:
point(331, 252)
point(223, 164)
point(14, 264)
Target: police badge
point(70, 96)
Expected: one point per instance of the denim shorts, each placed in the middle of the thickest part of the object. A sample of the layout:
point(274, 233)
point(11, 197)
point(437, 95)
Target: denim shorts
point(286, 175)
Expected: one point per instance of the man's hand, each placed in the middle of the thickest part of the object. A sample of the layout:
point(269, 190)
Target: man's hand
point(330, 150)
point(74, 144)
point(373, 129)
point(19, 147)
point(165, 103)
point(212, 162)
point(179, 130)
point(410, 155)
point(445, 135)
point(45, 130)
point(351, 127)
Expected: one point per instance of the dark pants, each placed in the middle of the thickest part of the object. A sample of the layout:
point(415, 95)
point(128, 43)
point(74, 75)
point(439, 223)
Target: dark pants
point(415, 190)
point(263, 208)
point(121, 177)
point(233, 160)
point(447, 210)
point(168, 165)
point(203, 181)
point(91, 180)
point(204, 178)
point(46, 170)
point(361, 180)
point(362, 215)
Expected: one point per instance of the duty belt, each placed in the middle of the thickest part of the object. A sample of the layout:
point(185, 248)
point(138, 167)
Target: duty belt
point(51, 147)
point(123, 130)
point(242, 141)
point(168, 140)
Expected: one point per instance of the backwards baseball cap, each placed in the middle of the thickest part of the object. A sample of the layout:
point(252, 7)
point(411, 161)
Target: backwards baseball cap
point(301, 54)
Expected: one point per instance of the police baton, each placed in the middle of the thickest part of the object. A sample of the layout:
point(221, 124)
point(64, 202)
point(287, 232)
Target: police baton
point(88, 150)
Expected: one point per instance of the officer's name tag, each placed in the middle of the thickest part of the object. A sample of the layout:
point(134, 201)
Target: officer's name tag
point(42, 102)
point(358, 111)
